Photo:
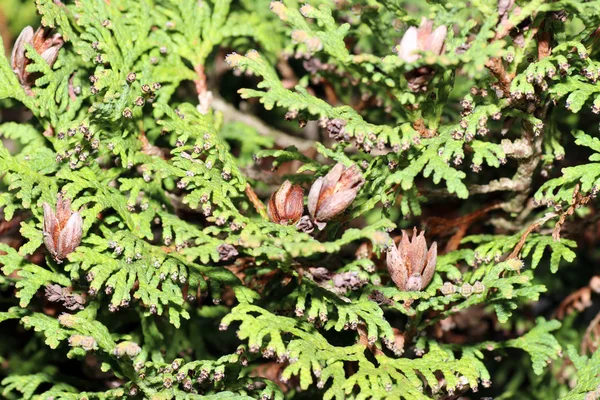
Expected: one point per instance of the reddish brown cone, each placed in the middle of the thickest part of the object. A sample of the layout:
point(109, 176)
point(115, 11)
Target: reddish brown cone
point(286, 204)
point(62, 229)
point(44, 43)
point(410, 265)
point(424, 38)
point(330, 195)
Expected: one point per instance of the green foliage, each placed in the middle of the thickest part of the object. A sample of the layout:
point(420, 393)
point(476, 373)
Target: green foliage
point(562, 189)
point(587, 371)
point(183, 286)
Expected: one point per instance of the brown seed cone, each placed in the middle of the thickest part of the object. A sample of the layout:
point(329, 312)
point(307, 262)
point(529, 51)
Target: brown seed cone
point(423, 38)
point(411, 265)
point(330, 195)
point(45, 44)
point(286, 204)
point(62, 229)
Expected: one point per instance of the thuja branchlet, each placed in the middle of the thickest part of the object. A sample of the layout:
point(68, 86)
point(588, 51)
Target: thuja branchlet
point(206, 211)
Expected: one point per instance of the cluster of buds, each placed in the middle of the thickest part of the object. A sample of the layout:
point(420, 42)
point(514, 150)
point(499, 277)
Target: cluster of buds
point(336, 129)
point(127, 348)
point(367, 143)
point(337, 282)
point(77, 153)
point(448, 289)
point(411, 265)
point(67, 320)
point(62, 229)
point(424, 38)
point(44, 43)
point(314, 65)
point(88, 343)
point(227, 252)
point(475, 91)
point(329, 196)
point(590, 73)
point(56, 293)
point(312, 43)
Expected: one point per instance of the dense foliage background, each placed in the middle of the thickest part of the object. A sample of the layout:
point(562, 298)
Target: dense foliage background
point(205, 199)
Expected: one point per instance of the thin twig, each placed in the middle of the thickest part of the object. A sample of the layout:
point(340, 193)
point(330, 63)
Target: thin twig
point(5, 32)
point(282, 139)
point(531, 227)
point(441, 226)
point(497, 69)
point(590, 343)
point(200, 80)
point(205, 96)
point(578, 201)
point(258, 205)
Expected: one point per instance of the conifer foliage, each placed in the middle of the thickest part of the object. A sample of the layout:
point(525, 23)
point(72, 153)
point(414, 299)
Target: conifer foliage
point(260, 199)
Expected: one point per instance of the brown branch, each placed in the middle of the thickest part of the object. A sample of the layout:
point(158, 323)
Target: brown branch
point(578, 201)
point(330, 94)
point(5, 32)
point(530, 229)
point(205, 96)
point(282, 139)
point(72, 94)
point(519, 149)
point(578, 300)
point(439, 226)
point(592, 336)
point(454, 241)
point(497, 185)
point(505, 10)
point(530, 161)
point(150, 149)
point(544, 39)
point(424, 132)
point(200, 81)
point(290, 79)
point(504, 78)
point(444, 224)
point(544, 48)
point(364, 340)
point(258, 205)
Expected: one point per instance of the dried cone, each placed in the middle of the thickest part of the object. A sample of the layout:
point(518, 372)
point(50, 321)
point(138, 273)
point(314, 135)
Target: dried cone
point(286, 204)
point(410, 265)
point(62, 229)
point(414, 40)
point(330, 195)
point(45, 44)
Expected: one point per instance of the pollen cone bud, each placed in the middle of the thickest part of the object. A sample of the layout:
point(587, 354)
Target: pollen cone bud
point(62, 229)
point(410, 265)
point(286, 204)
point(45, 44)
point(330, 195)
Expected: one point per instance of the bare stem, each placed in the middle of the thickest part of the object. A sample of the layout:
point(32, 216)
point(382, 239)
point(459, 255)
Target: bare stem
point(258, 205)
point(282, 139)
